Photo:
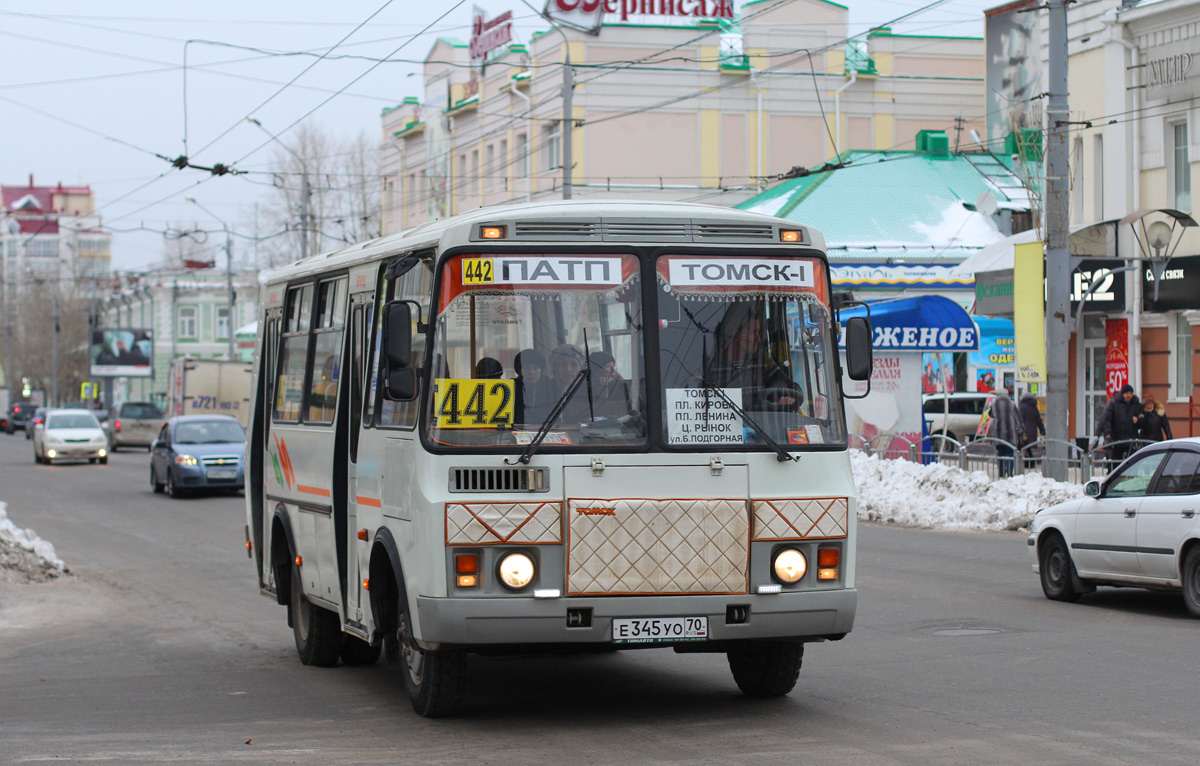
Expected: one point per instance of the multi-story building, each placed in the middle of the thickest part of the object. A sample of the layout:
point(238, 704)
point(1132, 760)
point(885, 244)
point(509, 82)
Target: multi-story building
point(189, 314)
point(667, 107)
point(1134, 88)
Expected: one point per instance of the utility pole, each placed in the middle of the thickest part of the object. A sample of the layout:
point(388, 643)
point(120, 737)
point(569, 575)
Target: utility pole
point(54, 355)
point(1058, 264)
point(9, 375)
point(305, 192)
point(568, 88)
point(229, 285)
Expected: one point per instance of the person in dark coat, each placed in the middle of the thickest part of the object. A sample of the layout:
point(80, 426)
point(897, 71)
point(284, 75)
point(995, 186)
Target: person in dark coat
point(1006, 426)
point(534, 393)
point(1031, 420)
point(1153, 425)
point(1120, 421)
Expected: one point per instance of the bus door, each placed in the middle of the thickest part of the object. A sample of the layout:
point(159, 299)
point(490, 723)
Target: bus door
point(358, 355)
point(259, 454)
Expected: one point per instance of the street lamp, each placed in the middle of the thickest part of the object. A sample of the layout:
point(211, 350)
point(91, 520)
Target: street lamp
point(305, 192)
point(228, 271)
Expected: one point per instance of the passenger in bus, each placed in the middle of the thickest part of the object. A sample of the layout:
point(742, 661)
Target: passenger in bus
point(566, 361)
point(488, 368)
point(742, 360)
point(534, 395)
point(610, 392)
point(323, 400)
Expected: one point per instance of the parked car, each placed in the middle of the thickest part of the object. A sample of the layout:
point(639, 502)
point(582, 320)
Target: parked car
point(198, 452)
point(38, 419)
point(136, 424)
point(966, 411)
point(18, 415)
point(69, 435)
point(1136, 526)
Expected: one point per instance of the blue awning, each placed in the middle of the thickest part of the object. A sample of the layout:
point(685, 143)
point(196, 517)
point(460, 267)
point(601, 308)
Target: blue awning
point(921, 323)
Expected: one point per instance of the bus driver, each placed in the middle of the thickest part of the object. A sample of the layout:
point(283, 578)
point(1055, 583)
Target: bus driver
point(742, 360)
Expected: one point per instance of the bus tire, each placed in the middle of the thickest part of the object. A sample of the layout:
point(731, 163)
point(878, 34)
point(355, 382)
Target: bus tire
point(436, 681)
point(317, 631)
point(359, 653)
point(766, 668)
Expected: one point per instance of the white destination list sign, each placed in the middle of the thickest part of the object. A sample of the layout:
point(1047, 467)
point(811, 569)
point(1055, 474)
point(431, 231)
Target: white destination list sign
point(691, 272)
point(700, 416)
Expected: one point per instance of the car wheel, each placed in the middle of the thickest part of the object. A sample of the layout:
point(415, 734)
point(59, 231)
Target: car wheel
point(154, 482)
point(766, 668)
point(436, 681)
point(36, 457)
point(317, 632)
point(172, 490)
point(1191, 581)
point(103, 460)
point(1057, 570)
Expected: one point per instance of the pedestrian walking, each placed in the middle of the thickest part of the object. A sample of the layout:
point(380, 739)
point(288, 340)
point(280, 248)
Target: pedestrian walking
point(1153, 424)
point(1032, 423)
point(1006, 426)
point(1119, 422)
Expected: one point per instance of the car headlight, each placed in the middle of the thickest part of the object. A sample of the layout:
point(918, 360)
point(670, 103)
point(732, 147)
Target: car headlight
point(790, 565)
point(516, 570)
point(186, 460)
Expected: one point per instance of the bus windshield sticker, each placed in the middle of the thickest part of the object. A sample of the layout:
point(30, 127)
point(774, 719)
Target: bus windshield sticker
point(536, 270)
point(739, 272)
point(699, 416)
point(473, 403)
point(552, 437)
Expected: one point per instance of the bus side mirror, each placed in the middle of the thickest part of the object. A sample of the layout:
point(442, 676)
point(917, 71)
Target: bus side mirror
point(400, 379)
point(858, 348)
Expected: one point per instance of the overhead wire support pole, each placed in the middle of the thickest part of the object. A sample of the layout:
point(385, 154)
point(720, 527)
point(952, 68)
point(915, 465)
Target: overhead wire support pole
point(1058, 264)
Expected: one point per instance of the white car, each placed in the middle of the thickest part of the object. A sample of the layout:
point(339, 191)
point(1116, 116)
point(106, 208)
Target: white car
point(1136, 527)
point(966, 411)
point(70, 435)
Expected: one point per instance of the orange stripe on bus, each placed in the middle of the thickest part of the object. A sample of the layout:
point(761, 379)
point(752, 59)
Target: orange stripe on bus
point(369, 501)
point(313, 490)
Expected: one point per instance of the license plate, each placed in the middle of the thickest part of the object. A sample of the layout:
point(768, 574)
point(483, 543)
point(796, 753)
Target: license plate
point(648, 630)
point(223, 473)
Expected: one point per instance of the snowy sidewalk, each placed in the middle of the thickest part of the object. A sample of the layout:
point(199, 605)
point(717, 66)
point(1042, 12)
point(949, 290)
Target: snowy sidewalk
point(937, 496)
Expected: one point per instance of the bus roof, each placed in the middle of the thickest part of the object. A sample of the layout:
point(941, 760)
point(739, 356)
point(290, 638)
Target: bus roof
point(456, 230)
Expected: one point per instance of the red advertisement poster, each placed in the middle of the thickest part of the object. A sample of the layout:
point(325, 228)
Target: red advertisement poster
point(1116, 357)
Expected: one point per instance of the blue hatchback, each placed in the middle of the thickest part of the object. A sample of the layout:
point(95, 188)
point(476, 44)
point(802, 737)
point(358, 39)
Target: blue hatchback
point(198, 452)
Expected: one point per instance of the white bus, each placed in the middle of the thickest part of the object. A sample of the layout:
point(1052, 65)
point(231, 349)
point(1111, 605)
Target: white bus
point(587, 425)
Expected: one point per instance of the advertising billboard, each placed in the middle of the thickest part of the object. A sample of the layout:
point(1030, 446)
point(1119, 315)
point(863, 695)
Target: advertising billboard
point(121, 353)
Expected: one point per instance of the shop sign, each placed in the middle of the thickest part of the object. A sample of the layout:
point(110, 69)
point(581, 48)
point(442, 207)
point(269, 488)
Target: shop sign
point(1169, 70)
point(1178, 289)
point(1116, 355)
point(643, 11)
point(994, 293)
point(487, 36)
point(1109, 284)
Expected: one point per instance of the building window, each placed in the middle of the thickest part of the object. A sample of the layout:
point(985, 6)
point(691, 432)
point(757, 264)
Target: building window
point(473, 174)
point(1183, 357)
point(222, 323)
point(185, 325)
point(1077, 180)
point(554, 147)
point(1183, 169)
point(522, 157)
point(503, 165)
point(489, 168)
point(1098, 178)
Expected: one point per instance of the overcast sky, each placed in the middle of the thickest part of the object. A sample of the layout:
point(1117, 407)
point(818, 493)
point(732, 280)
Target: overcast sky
point(91, 92)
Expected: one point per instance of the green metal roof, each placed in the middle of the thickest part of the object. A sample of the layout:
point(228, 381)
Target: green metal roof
point(882, 202)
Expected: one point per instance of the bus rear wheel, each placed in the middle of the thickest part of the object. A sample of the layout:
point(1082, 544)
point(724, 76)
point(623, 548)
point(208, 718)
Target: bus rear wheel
point(436, 681)
point(766, 668)
point(317, 632)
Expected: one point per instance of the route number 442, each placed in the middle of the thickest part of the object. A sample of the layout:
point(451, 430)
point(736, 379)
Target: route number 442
point(473, 403)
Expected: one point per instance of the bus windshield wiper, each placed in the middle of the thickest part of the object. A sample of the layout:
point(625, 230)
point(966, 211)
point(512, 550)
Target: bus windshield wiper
point(781, 454)
point(555, 411)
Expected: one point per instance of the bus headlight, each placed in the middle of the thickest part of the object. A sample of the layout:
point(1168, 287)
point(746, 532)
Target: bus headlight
point(790, 565)
point(516, 570)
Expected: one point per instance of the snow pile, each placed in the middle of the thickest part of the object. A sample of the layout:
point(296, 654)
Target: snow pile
point(947, 497)
point(24, 556)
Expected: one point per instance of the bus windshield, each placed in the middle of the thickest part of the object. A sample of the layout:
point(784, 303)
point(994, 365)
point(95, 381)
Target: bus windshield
point(518, 337)
point(747, 353)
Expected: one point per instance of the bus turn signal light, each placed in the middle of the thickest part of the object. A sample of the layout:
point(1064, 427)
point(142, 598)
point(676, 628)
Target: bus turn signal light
point(366, 584)
point(466, 563)
point(299, 561)
point(362, 534)
point(789, 235)
point(827, 574)
point(467, 581)
point(828, 557)
point(493, 232)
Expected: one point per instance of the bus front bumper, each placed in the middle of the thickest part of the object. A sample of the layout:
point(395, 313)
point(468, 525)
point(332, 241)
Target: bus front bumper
point(808, 615)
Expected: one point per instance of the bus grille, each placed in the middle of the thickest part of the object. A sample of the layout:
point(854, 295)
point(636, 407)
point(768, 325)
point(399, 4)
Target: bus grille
point(642, 230)
point(587, 231)
point(657, 546)
point(516, 479)
point(734, 232)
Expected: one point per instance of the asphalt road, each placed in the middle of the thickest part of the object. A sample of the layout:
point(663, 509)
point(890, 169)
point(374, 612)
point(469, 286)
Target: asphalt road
point(159, 649)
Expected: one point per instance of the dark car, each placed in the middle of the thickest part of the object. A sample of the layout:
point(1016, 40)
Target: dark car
point(198, 452)
point(19, 416)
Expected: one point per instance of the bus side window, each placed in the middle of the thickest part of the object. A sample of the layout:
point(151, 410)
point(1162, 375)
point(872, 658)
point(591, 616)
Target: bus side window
point(293, 355)
point(326, 359)
point(416, 285)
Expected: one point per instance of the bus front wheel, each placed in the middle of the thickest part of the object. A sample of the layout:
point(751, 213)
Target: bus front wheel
point(318, 634)
point(436, 681)
point(766, 668)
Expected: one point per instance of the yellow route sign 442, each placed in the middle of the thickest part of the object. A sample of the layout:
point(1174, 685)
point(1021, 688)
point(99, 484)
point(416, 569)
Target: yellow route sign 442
point(473, 403)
